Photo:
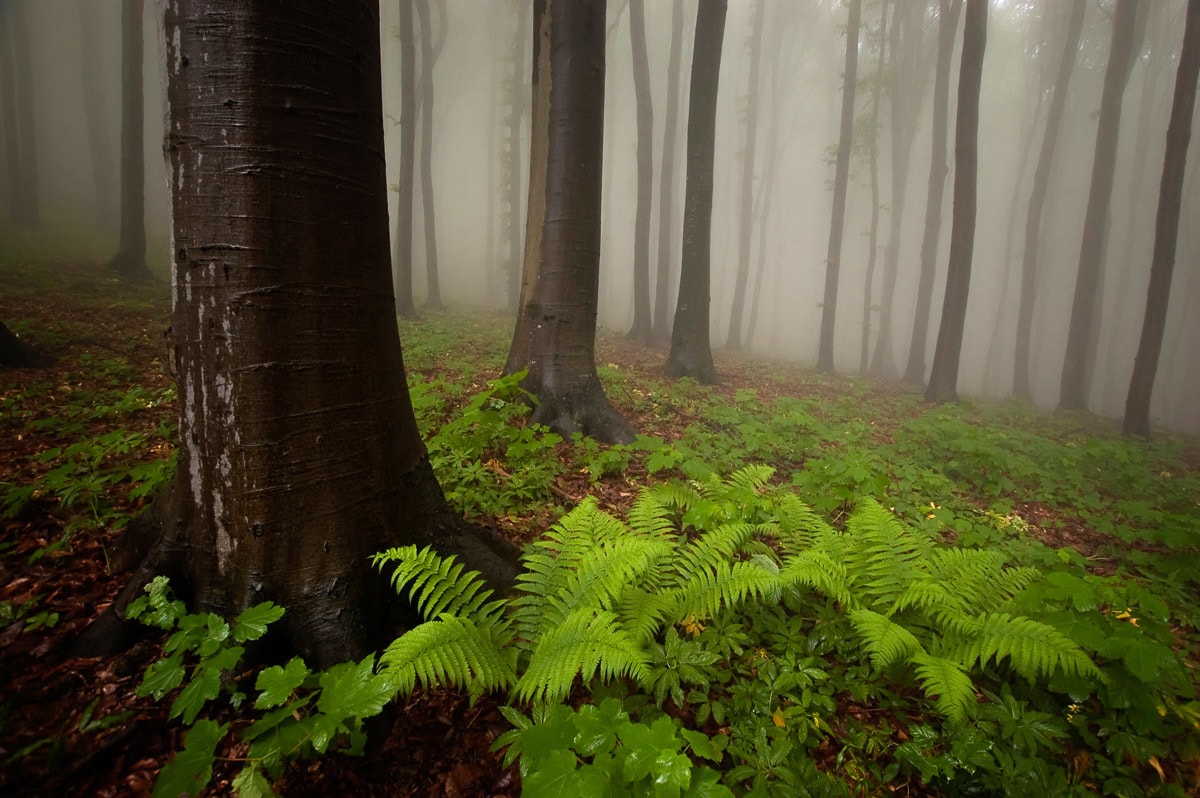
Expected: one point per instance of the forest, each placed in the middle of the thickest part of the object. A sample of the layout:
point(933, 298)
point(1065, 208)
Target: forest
point(599, 397)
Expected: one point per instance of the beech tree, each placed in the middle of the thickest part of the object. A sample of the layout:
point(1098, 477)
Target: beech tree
point(943, 377)
point(430, 51)
point(130, 259)
point(402, 239)
point(1166, 232)
point(642, 329)
point(691, 349)
point(299, 454)
point(666, 194)
point(96, 93)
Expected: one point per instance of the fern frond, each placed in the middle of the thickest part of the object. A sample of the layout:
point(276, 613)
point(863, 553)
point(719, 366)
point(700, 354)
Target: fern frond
point(651, 516)
point(674, 495)
point(750, 479)
point(886, 642)
point(723, 584)
point(438, 584)
point(713, 546)
point(883, 556)
point(937, 598)
point(587, 641)
point(607, 570)
point(643, 612)
point(449, 651)
point(800, 526)
point(1033, 648)
point(943, 680)
point(979, 577)
point(819, 571)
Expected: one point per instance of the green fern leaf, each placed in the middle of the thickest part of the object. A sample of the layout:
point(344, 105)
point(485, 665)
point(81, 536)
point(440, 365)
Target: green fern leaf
point(943, 680)
point(886, 642)
point(724, 584)
point(448, 651)
point(588, 640)
point(1033, 648)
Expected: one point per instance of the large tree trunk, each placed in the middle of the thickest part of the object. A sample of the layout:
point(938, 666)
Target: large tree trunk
point(746, 192)
point(691, 349)
point(299, 453)
point(562, 366)
point(666, 193)
point(948, 13)
point(643, 326)
point(402, 240)
point(943, 378)
point(833, 255)
point(1073, 391)
point(130, 260)
point(1166, 231)
point(429, 56)
point(96, 97)
point(1022, 386)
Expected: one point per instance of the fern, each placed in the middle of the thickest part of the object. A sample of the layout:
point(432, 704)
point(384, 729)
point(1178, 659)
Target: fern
point(587, 640)
point(449, 650)
point(725, 584)
point(944, 679)
point(1032, 648)
point(885, 641)
point(438, 585)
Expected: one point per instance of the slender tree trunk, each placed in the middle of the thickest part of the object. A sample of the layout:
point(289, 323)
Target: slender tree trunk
point(402, 243)
point(299, 453)
point(130, 260)
point(1022, 386)
point(749, 166)
point(943, 378)
point(873, 168)
point(948, 14)
point(1166, 231)
point(520, 47)
point(428, 59)
point(96, 94)
point(643, 325)
point(833, 256)
point(1073, 392)
point(25, 203)
point(666, 193)
point(691, 349)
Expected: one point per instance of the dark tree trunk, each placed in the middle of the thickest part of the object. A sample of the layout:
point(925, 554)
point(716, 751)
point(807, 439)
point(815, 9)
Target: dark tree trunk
point(14, 178)
point(24, 204)
point(666, 193)
point(514, 158)
point(15, 353)
point(833, 256)
point(873, 168)
point(948, 13)
point(1073, 391)
point(1037, 200)
point(96, 94)
point(429, 56)
point(562, 367)
point(643, 326)
point(130, 260)
point(299, 454)
point(402, 243)
point(528, 308)
point(691, 349)
point(1166, 230)
point(943, 378)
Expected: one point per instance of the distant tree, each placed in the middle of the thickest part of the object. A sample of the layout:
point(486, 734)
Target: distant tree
point(16, 69)
point(429, 57)
point(1073, 391)
point(873, 171)
point(666, 193)
point(1166, 233)
point(948, 14)
point(299, 455)
point(562, 305)
point(691, 349)
point(943, 378)
point(402, 238)
point(643, 325)
point(130, 260)
point(517, 109)
point(833, 256)
point(96, 93)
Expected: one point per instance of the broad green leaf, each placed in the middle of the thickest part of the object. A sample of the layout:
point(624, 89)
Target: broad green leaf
point(191, 769)
point(162, 677)
point(352, 690)
point(702, 745)
point(555, 777)
point(706, 783)
point(276, 684)
point(672, 773)
point(252, 623)
point(250, 783)
point(204, 687)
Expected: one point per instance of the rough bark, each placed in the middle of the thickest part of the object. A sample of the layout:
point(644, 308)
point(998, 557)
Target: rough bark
point(1073, 390)
point(691, 349)
point(130, 260)
point(841, 179)
point(299, 453)
point(1166, 229)
point(948, 14)
point(96, 94)
point(16, 353)
point(429, 56)
point(666, 193)
point(402, 238)
point(643, 325)
point(943, 377)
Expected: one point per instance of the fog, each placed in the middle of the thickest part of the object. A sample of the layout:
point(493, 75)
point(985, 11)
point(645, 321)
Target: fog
point(799, 96)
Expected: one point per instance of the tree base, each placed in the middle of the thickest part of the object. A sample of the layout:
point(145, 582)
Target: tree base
point(130, 267)
point(586, 411)
point(701, 370)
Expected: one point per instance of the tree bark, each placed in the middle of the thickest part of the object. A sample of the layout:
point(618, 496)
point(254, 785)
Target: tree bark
point(299, 453)
point(943, 378)
point(666, 193)
point(833, 255)
point(516, 113)
point(14, 177)
point(1073, 390)
point(402, 244)
point(1166, 230)
point(429, 57)
point(130, 260)
point(642, 330)
point(691, 349)
point(948, 14)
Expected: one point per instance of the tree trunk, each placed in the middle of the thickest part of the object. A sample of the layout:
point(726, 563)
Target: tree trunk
point(299, 453)
point(943, 378)
point(666, 192)
point(130, 260)
point(562, 367)
point(24, 202)
point(402, 244)
point(14, 177)
point(96, 94)
point(429, 57)
point(642, 330)
point(517, 112)
point(1166, 230)
point(949, 11)
point(1022, 385)
point(1073, 391)
point(691, 349)
point(833, 256)
point(15, 353)
point(873, 168)
point(749, 166)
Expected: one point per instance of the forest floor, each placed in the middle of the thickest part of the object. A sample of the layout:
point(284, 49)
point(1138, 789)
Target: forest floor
point(88, 430)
